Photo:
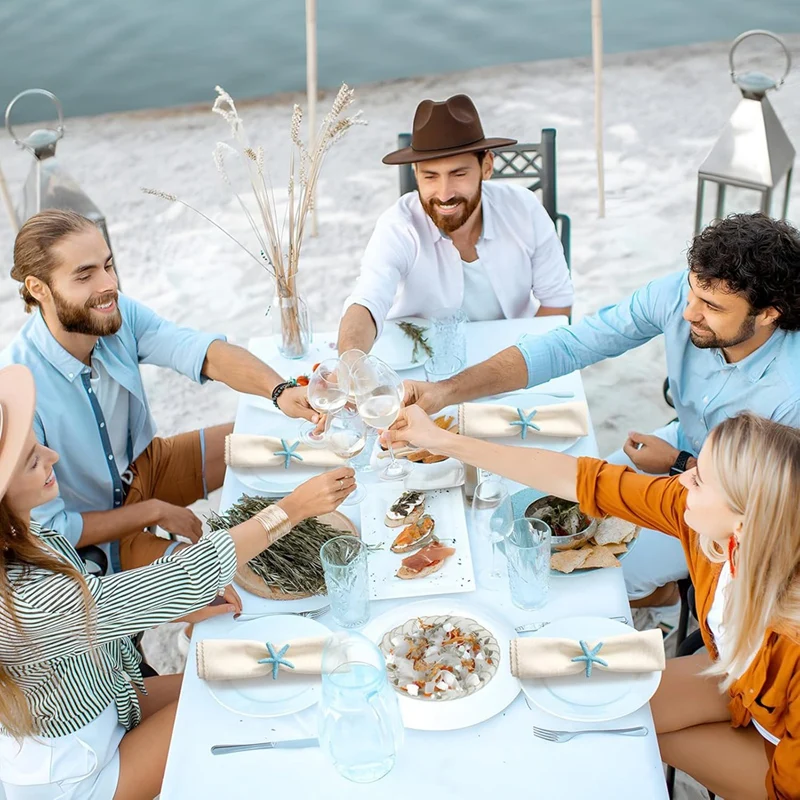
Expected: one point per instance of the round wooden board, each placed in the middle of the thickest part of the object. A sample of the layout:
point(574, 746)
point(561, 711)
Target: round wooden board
point(248, 580)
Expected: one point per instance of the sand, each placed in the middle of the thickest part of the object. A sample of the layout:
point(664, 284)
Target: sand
point(663, 109)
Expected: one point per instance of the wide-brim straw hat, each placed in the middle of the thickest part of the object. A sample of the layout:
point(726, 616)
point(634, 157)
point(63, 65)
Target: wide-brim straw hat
point(443, 129)
point(17, 404)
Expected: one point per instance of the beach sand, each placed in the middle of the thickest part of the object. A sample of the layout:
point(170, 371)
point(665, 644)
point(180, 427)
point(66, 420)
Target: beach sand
point(663, 111)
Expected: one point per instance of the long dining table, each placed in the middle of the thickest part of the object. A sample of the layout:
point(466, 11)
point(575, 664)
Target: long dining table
point(497, 758)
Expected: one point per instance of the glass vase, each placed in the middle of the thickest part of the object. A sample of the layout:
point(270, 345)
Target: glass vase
point(291, 326)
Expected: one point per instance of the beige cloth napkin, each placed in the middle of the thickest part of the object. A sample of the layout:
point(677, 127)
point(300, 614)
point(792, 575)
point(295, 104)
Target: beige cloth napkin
point(487, 421)
point(538, 657)
point(237, 659)
point(246, 451)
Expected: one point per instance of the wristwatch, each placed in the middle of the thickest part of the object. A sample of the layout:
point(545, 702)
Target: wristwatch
point(680, 463)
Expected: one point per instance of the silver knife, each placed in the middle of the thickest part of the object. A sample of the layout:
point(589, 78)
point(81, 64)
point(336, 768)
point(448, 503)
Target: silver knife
point(287, 744)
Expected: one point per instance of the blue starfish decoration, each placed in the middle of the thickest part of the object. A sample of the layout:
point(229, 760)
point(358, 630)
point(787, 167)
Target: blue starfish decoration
point(276, 659)
point(590, 657)
point(524, 422)
point(288, 453)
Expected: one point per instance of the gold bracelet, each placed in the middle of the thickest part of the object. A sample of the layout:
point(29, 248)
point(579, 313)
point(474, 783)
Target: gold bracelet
point(275, 522)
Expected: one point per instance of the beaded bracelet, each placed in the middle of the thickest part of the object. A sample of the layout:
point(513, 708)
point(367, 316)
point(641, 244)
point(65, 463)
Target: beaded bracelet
point(281, 388)
point(274, 521)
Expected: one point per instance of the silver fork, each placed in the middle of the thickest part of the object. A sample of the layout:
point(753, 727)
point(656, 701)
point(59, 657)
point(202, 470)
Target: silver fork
point(565, 736)
point(312, 613)
point(537, 626)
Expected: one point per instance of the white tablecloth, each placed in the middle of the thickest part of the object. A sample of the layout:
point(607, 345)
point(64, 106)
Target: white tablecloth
point(499, 758)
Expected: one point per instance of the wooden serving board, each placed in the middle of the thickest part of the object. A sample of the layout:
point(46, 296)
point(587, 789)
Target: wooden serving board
point(248, 580)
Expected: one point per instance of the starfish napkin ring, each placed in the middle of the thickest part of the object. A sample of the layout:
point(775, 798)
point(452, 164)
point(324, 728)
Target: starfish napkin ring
point(524, 422)
point(590, 657)
point(288, 453)
point(276, 659)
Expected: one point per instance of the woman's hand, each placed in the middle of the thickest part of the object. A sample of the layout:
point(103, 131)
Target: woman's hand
point(414, 426)
point(319, 495)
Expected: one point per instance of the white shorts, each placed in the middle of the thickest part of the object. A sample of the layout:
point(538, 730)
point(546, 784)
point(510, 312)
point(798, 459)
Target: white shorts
point(80, 766)
point(657, 558)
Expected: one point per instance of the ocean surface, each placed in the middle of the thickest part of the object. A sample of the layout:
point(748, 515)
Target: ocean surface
point(112, 55)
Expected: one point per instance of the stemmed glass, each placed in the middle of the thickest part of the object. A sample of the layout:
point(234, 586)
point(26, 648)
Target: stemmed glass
point(379, 395)
point(328, 390)
point(346, 435)
point(493, 520)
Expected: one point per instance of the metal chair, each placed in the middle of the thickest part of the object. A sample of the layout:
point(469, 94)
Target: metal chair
point(534, 162)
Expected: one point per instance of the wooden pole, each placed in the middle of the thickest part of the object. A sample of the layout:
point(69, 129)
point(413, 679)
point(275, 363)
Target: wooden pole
point(311, 87)
point(597, 62)
point(12, 214)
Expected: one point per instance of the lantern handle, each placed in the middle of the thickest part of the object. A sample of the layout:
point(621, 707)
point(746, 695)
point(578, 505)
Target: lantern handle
point(56, 102)
point(769, 34)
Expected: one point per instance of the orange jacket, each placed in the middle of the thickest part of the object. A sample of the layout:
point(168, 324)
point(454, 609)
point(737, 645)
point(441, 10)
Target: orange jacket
point(769, 691)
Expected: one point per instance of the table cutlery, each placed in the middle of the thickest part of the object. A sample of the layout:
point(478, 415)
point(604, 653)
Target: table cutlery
point(312, 613)
point(537, 626)
point(565, 736)
point(288, 744)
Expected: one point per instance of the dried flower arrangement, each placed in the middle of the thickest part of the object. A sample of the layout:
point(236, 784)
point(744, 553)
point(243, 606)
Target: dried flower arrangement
point(279, 243)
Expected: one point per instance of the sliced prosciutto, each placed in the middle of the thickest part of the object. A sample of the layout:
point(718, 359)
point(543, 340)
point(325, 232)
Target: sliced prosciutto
point(425, 561)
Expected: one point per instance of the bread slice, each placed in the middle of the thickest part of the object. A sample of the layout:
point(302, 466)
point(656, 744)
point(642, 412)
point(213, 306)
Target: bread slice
point(415, 512)
point(409, 574)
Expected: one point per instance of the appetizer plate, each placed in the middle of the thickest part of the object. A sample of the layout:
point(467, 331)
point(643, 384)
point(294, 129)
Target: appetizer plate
point(396, 349)
point(264, 697)
point(603, 697)
point(576, 573)
point(438, 715)
point(446, 506)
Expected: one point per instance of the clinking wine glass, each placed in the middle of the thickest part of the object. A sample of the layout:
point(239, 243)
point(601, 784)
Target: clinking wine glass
point(328, 390)
point(379, 395)
point(346, 435)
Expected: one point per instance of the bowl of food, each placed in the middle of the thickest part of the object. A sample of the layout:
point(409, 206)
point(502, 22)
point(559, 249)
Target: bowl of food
point(570, 526)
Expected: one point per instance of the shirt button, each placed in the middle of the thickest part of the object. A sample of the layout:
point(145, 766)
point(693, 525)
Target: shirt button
point(705, 399)
point(102, 424)
point(90, 391)
point(71, 376)
point(117, 491)
point(110, 457)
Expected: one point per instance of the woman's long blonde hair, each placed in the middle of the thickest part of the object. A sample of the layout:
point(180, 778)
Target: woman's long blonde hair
point(19, 546)
point(757, 464)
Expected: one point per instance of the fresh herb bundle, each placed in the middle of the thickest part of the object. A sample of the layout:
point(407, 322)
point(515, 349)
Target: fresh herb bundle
point(417, 335)
point(292, 564)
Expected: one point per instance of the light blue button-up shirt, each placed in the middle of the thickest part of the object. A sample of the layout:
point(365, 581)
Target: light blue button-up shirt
point(705, 388)
point(68, 416)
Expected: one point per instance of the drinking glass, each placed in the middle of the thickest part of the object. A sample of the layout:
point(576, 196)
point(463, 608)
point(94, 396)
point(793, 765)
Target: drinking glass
point(528, 555)
point(379, 395)
point(360, 727)
point(346, 436)
point(492, 520)
point(441, 367)
point(328, 390)
point(344, 562)
point(447, 333)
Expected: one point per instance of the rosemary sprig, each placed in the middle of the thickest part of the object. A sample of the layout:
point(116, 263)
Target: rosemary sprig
point(417, 335)
point(292, 564)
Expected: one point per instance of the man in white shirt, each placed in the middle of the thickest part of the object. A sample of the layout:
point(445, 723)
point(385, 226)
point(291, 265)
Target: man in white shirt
point(460, 241)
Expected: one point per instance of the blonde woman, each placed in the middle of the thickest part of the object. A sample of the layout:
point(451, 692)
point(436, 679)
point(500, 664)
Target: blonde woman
point(77, 721)
point(729, 718)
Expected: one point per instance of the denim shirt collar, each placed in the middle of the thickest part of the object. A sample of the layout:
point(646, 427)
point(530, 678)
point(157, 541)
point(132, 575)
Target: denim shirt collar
point(756, 364)
point(47, 344)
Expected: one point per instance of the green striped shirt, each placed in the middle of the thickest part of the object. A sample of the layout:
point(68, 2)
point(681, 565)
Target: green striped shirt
point(70, 673)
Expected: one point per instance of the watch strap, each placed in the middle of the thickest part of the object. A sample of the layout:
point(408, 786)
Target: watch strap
point(680, 463)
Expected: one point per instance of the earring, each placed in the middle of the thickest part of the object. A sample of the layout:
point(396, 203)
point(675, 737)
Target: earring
point(733, 554)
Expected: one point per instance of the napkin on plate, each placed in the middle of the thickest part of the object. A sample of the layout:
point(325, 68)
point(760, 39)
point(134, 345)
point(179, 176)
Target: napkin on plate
point(488, 421)
point(540, 657)
point(237, 659)
point(247, 451)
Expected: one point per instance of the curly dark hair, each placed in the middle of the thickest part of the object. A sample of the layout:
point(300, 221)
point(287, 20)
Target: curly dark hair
point(755, 256)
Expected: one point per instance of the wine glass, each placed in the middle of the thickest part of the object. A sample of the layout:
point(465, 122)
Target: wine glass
point(346, 435)
point(379, 394)
point(493, 520)
point(328, 389)
point(351, 358)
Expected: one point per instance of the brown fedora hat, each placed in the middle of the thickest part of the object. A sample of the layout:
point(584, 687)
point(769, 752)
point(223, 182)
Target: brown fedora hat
point(444, 129)
point(17, 403)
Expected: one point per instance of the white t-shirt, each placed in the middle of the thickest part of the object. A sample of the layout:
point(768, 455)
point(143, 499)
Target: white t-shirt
point(480, 299)
point(714, 620)
point(114, 401)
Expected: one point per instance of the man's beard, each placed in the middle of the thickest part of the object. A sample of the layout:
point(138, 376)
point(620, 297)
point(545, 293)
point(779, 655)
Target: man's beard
point(447, 223)
point(79, 319)
point(745, 333)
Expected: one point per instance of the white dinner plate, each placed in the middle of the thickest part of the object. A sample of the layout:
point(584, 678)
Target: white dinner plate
point(448, 715)
point(396, 349)
point(265, 697)
point(603, 697)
